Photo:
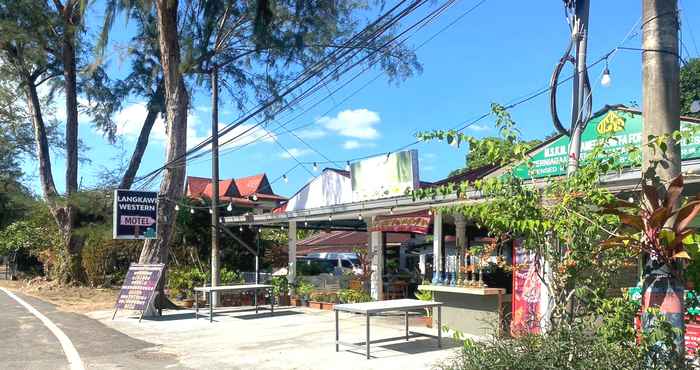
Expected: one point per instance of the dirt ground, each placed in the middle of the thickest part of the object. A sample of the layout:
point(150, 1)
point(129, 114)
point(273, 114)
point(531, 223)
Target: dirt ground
point(67, 298)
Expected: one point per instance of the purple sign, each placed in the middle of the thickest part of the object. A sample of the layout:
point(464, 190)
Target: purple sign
point(139, 285)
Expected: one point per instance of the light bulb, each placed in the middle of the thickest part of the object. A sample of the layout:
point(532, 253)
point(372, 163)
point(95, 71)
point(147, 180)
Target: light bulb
point(255, 197)
point(210, 211)
point(347, 166)
point(192, 210)
point(230, 207)
point(284, 177)
point(695, 106)
point(315, 166)
point(330, 218)
point(281, 227)
point(631, 200)
point(240, 229)
point(606, 81)
point(359, 216)
point(430, 212)
point(177, 208)
point(391, 211)
point(306, 223)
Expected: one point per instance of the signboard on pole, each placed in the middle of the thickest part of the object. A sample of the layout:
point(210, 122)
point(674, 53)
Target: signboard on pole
point(384, 176)
point(622, 127)
point(135, 214)
point(139, 286)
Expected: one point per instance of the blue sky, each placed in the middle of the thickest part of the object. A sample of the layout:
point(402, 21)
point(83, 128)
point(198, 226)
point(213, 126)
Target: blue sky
point(498, 53)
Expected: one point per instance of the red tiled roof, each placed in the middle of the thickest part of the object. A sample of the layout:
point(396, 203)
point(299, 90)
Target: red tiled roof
point(233, 190)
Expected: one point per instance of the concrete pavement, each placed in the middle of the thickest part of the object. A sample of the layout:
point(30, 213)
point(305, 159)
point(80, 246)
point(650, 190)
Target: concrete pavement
point(294, 338)
point(27, 343)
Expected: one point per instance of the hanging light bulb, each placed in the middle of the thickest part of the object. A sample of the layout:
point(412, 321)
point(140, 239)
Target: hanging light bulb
point(284, 177)
point(177, 208)
point(281, 227)
point(315, 166)
point(347, 166)
point(430, 212)
point(255, 197)
point(330, 218)
point(192, 210)
point(606, 81)
point(240, 229)
point(230, 207)
point(359, 216)
point(210, 211)
point(631, 200)
point(695, 106)
point(391, 210)
point(306, 223)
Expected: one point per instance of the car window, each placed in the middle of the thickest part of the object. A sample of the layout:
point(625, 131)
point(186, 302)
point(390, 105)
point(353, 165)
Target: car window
point(346, 263)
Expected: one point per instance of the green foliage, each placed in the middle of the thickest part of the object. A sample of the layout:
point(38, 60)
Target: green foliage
point(353, 296)
point(280, 285)
point(324, 297)
point(104, 259)
point(304, 288)
point(182, 281)
point(482, 153)
point(690, 86)
point(605, 338)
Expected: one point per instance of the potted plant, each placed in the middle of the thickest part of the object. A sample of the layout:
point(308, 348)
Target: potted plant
point(304, 289)
point(280, 289)
point(329, 300)
point(425, 295)
point(316, 301)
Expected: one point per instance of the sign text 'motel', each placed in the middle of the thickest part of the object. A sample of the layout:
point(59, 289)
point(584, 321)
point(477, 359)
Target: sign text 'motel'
point(135, 214)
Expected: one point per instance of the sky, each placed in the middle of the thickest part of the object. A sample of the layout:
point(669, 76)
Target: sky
point(500, 52)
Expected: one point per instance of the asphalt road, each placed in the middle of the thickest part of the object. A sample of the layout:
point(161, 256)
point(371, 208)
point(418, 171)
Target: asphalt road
point(27, 343)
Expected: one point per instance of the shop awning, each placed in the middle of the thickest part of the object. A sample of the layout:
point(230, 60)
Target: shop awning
point(415, 222)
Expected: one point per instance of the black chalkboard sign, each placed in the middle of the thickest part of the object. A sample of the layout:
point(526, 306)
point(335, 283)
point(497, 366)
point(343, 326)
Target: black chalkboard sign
point(139, 287)
point(135, 214)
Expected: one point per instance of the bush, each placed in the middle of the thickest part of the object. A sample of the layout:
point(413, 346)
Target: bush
point(353, 296)
point(280, 285)
point(105, 260)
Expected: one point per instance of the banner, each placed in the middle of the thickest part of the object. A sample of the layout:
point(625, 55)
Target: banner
point(384, 176)
point(135, 214)
point(139, 286)
point(527, 292)
point(416, 222)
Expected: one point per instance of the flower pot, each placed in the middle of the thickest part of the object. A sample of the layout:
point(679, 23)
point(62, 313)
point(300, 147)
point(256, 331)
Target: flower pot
point(294, 301)
point(427, 321)
point(328, 306)
point(188, 303)
point(247, 300)
point(316, 305)
point(283, 300)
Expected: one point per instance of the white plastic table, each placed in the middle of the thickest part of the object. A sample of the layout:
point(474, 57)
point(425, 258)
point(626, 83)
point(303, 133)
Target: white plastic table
point(207, 290)
point(373, 308)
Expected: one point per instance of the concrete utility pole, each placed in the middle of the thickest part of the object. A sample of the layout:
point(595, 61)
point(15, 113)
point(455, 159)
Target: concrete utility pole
point(582, 90)
point(214, 182)
point(662, 287)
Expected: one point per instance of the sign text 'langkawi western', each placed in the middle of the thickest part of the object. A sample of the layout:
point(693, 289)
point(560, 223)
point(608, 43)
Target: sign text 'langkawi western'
point(135, 214)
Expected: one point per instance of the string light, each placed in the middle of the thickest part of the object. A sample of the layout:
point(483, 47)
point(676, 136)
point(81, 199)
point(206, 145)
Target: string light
point(192, 210)
point(606, 80)
point(359, 216)
point(240, 229)
point(230, 207)
point(281, 227)
point(330, 218)
point(315, 166)
point(177, 208)
point(306, 223)
point(347, 166)
point(284, 177)
point(391, 210)
point(210, 211)
point(430, 212)
point(255, 197)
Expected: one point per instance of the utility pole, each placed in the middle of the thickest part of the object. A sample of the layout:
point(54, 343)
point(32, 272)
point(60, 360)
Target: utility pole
point(582, 89)
point(662, 284)
point(214, 182)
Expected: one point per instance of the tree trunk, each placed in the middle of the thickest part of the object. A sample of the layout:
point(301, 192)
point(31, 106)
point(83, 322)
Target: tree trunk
point(176, 100)
point(70, 268)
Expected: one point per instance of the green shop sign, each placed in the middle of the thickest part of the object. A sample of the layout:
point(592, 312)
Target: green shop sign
point(624, 126)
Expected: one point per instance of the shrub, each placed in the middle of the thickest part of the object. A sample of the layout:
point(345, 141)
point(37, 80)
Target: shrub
point(353, 296)
point(280, 285)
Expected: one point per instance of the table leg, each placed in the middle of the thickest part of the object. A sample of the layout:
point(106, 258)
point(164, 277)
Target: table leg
point(439, 325)
point(272, 302)
point(211, 308)
point(406, 322)
point(196, 305)
point(337, 332)
point(367, 343)
point(255, 301)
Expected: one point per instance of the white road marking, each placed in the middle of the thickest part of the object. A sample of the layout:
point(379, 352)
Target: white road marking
point(71, 353)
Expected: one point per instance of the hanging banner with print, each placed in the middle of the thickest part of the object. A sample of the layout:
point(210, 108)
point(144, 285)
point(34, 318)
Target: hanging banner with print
point(527, 291)
point(135, 214)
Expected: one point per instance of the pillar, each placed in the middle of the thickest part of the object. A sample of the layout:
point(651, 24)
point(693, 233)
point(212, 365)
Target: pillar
point(437, 247)
point(292, 252)
point(460, 242)
point(376, 253)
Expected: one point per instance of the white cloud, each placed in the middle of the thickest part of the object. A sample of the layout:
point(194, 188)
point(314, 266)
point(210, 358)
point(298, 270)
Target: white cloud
point(477, 127)
point(354, 144)
point(311, 134)
point(296, 152)
point(356, 123)
point(130, 120)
